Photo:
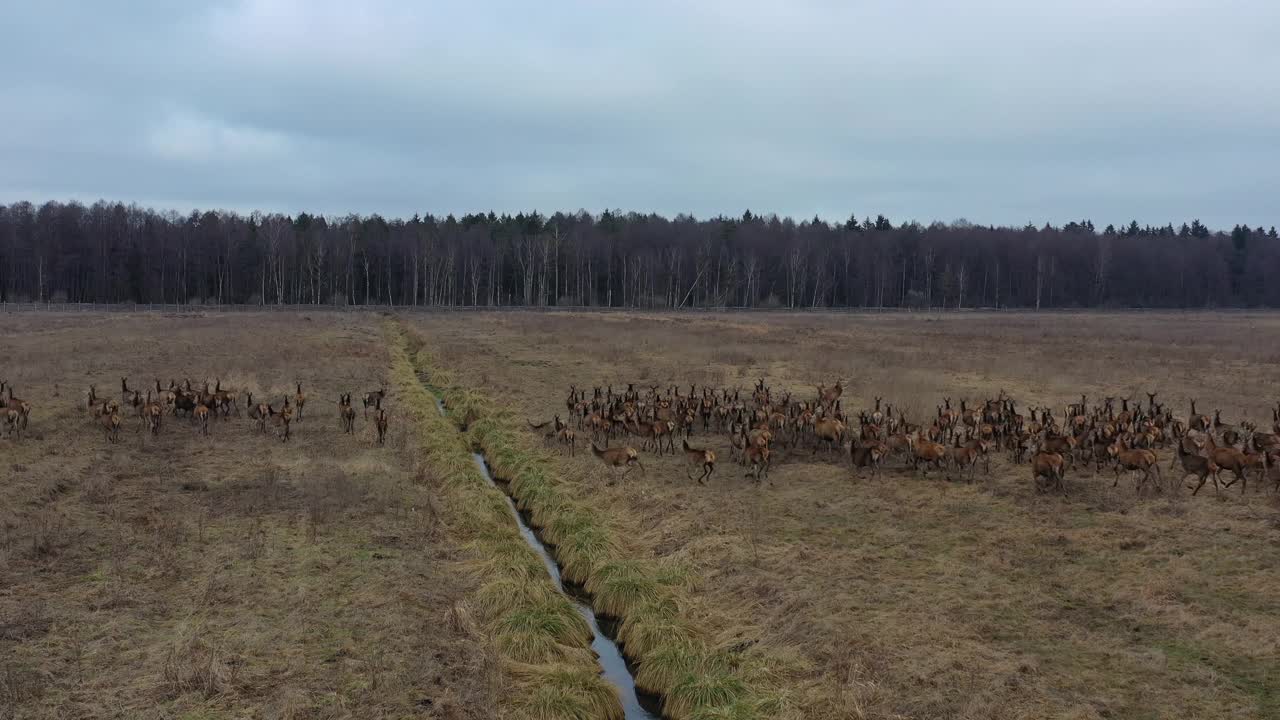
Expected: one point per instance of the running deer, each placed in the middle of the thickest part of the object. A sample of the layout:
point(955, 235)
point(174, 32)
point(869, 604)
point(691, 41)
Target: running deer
point(699, 458)
point(281, 419)
point(1134, 460)
point(868, 453)
point(381, 424)
point(1193, 463)
point(618, 457)
point(346, 414)
point(110, 422)
point(1048, 466)
point(200, 416)
point(757, 456)
point(299, 400)
point(374, 400)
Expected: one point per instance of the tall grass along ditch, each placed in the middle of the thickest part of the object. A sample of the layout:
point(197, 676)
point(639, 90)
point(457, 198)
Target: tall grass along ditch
point(543, 640)
point(640, 601)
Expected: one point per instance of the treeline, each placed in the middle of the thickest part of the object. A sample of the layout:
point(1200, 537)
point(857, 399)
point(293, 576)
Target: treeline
point(115, 253)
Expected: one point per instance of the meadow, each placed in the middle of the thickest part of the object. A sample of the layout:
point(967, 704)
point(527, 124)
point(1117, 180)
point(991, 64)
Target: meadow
point(236, 575)
point(911, 597)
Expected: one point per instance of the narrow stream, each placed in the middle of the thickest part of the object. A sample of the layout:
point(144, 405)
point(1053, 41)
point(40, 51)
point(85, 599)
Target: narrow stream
point(612, 663)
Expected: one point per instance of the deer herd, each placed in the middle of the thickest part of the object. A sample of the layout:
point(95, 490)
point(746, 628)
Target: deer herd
point(200, 407)
point(1119, 434)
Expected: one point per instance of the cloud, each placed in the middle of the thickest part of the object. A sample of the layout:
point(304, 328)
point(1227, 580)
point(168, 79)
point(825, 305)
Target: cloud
point(189, 137)
point(995, 110)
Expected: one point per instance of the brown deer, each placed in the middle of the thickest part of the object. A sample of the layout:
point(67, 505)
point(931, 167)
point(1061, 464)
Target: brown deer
point(569, 439)
point(299, 400)
point(281, 419)
point(618, 457)
point(1228, 458)
point(1134, 460)
point(927, 453)
point(12, 421)
point(374, 400)
point(152, 412)
point(22, 406)
point(110, 422)
point(381, 423)
point(200, 416)
point(829, 431)
point(1051, 467)
point(1193, 463)
point(699, 457)
point(346, 414)
point(757, 456)
point(868, 453)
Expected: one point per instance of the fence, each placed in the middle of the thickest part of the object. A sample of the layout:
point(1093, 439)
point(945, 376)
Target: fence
point(180, 308)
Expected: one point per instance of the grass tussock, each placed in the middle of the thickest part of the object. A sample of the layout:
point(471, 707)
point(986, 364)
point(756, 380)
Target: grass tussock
point(645, 595)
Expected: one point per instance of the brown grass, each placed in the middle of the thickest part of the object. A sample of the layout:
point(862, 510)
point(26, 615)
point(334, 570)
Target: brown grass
point(228, 576)
point(921, 598)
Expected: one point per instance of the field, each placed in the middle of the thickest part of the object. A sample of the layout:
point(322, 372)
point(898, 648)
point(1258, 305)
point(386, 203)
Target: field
point(922, 598)
point(236, 575)
point(232, 575)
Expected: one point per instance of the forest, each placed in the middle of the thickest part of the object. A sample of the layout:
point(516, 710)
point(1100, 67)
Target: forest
point(117, 253)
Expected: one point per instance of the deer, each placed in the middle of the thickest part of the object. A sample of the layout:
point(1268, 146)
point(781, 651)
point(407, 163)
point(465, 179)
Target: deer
point(1193, 463)
point(110, 422)
point(21, 406)
point(618, 457)
point(828, 431)
point(380, 422)
point(569, 439)
point(374, 399)
point(1228, 458)
point(926, 453)
point(699, 457)
point(346, 414)
point(200, 416)
point(1049, 466)
point(868, 453)
point(1134, 460)
point(299, 400)
point(152, 412)
point(757, 456)
point(13, 422)
point(281, 419)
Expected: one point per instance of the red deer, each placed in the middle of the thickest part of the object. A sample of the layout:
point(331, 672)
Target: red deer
point(569, 439)
point(200, 416)
point(927, 453)
point(827, 431)
point(1195, 464)
point(1134, 460)
point(381, 424)
point(700, 458)
point(757, 456)
point(1051, 467)
point(1229, 458)
point(281, 419)
point(868, 453)
point(110, 422)
point(346, 414)
point(299, 400)
point(374, 400)
point(618, 457)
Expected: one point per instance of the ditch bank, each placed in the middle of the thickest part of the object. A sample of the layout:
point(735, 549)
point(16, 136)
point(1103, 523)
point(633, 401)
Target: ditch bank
point(541, 640)
point(639, 602)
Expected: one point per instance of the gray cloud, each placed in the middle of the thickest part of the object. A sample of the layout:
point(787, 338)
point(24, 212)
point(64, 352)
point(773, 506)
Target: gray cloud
point(995, 110)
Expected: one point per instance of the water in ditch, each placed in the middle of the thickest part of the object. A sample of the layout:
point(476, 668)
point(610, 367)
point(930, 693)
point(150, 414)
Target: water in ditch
point(612, 663)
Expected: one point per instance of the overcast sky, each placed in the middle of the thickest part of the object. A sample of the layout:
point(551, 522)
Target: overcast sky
point(999, 111)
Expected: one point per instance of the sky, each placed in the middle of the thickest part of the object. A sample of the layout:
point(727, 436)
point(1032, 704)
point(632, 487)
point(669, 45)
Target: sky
point(996, 111)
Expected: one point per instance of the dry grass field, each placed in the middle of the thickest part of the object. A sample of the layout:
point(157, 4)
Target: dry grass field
point(904, 597)
point(223, 576)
